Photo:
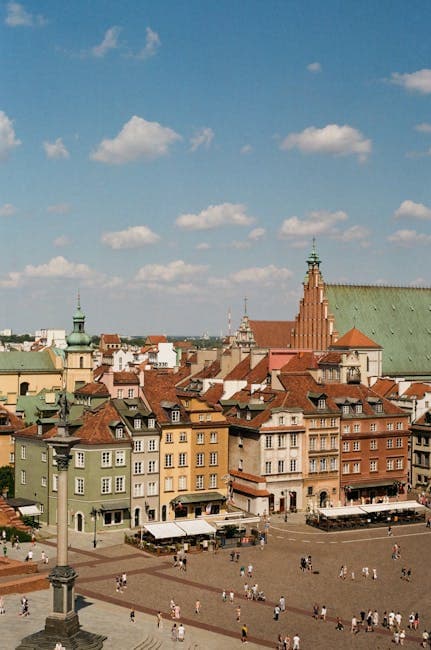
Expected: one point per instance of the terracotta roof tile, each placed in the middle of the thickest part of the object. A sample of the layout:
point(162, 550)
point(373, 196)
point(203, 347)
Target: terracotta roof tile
point(417, 390)
point(354, 338)
point(254, 478)
point(124, 377)
point(95, 388)
point(245, 489)
point(272, 333)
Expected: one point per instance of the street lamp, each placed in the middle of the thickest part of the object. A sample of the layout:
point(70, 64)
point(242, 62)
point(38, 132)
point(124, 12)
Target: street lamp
point(94, 514)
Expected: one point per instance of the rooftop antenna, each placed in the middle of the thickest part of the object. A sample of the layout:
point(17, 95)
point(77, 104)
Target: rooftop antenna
point(245, 305)
point(229, 322)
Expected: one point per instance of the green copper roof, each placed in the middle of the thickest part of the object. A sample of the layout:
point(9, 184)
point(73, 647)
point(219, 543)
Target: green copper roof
point(398, 318)
point(26, 362)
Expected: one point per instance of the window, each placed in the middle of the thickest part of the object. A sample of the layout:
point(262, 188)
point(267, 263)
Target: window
point(119, 432)
point(130, 392)
point(23, 452)
point(345, 409)
point(373, 466)
point(200, 460)
point(389, 443)
point(54, 482)
point(183, 436)
point(120, 393)
point(356, 445)
point(312, 423)
point(138, 446)
point(152, 466)
point(399, 463)
point(323, 442)
point(138, 490)
point(120, 458)
point(379, 407)
point(120, 483)
point(11, 457)
point(294, 419)
point(389, 464)
point(293, 439)
point(399, 426)
point(268, 442)
point(169, 460)
point(152, 488)
point(293, 464)
point(333, 464)
point(373, 444)
point(323, 422)
point(333, 422)
point(208, 417)
point(200, 438)
point(105, 485)
point(399, 443)
point(137, 423)
point(169, 483)
point(373, 426)
point(323, 465)
point(200, 483)
point(23, 477)
point(79, 459)
point(268, 467)
point(356, 428)
point(138, 467)
point(346, 446)
point(310, 491)
point(358, 408)
point(346, 468)
point(313, 465)
point(182, 482)
point(43, 457)
point(282, 441)
point(356, 468)
point(151, 423)
point(334, 442)
point(106, 458)
point(79, 485)
point(201, 417)
point(168, 438)
point(281, 420)
point(213, 458)
point(213, 437)
point(152, 444)
point(213, 481)
point(390, 426)
point(313, 443)
point(280, 466)
point(182, 460)
point(175, 415)
point(346, 428)
point(321, 404)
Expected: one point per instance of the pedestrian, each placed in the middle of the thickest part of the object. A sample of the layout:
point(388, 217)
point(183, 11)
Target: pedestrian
point(2, 606)
point(132, 615)
point(341, 572)
point(309, 563)
point(232, 556)
point(231, 596)
point(181, 632)
point(408, 575)
point(159, 621)
point(402, 637)
point(315, 611)
point(323, 613)
point(244, 634)
point(374, 574)
point(25, 607)
point(296, 642)
point(29, 556)
point(385, 619)
point(237, 557)
point(174, 632)
point(375, 618)
point(286, 642)
point(339, 625)
point(282, 604)
point(175, 560)
point(238, 613)
point(416, 621)
point(262, 543)
point(4, 551)
point(172, 608)
point(198, 607)
point(354, 625)
point(33, 538)
point(396, 637)
point(42, 556)
point(118, 585)
point(46, 559)
point(184, 564)
point(223, 595)
point(352, 575)
point(411, 621)
point(276, 613)
point(250, 571)
point(242, 572)
point(177, 612)
point(425, 638)
point(124, 580)
point(390, 531)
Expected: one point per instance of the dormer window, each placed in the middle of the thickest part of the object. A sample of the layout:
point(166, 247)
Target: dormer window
point(119, 432)
point(346, 409)
point(137, 423)
point(247, 415)
point(39, 429)
point(358, 408)
point(321, 403)
point(151, 423)
point(175, 415)
point(379, 407)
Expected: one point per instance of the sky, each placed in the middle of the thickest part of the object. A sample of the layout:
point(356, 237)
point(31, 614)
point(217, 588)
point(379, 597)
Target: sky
point(167, 159)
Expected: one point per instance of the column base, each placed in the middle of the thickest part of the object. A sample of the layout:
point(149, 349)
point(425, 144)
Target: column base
point(45, 640)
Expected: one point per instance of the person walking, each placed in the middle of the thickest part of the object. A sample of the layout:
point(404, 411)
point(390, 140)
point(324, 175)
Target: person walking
point(282, 604)
point(238, 613)
point(198, 607)
point(159, 621)
point(296, 642)
point(244, 634)
point(174, 632)
point(132, 615)
point(2, 606)
point(181, 632)
point(276, 613)
point(323, 613)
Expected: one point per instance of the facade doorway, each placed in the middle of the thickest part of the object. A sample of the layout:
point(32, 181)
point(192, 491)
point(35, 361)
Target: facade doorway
point(271, 503)
point(163, 513)
point(323, 499)
point(282, 504)
point(137, 517)
point(79, 522)
point(292, 501)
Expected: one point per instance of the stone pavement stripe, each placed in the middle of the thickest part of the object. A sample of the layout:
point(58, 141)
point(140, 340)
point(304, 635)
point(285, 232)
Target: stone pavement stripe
point(187, 621)
point(368, 539)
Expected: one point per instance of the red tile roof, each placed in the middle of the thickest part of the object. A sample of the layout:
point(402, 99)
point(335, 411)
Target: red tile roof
point(245, 489)
point(301, 362)
point(240, 371)
point(417, 390)
point(331, 358)
point(111, 339)
point(386, 387)
point(153, 339)
point(272, 333)
point(124, 378)
point(95, 388)
point(354, 338)
point(254, 478)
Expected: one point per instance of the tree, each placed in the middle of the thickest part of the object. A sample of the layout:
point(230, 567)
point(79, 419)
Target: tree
point(7, 480)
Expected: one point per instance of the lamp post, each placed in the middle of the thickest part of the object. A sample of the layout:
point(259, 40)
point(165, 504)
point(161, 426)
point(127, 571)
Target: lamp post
point(62, 624)
point(94, 514)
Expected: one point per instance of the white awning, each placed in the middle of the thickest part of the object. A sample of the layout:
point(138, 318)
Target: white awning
point(342, 511)
point(196, 527)
point(164, 530)
point(395, 505)
point(239, 523)
point(29, 511)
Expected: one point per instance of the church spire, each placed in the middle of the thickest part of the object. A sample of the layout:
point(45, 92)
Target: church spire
point(313, 258)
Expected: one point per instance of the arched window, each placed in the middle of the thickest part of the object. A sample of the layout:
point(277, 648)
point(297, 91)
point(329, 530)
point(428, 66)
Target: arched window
point(81, 362)
point(23, 388)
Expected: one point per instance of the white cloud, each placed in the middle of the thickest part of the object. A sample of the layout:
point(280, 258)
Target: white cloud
point(424, 127)
point(239, 245)
point(62, 240)
point(59, 208)
point(411, 210)
point(201, 138)
point(203, 246)
point(256, 233)
point(17, 16)
point(137, 139)
point(55, 150)
point(331, 139)
point(8, 141)
point(152, 44)
point(246, 149)
point(314, 67)
point(354, 233)
point(110, 42)
point(132, 237)
point(409, 238)
point(7, 210)
point(419, 81)
point(262, 275)
point(317, 222)
point(233, 214)
point(56, 268)
point(157, 273)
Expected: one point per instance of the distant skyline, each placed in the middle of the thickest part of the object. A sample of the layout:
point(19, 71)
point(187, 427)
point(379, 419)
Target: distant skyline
point(167, 159)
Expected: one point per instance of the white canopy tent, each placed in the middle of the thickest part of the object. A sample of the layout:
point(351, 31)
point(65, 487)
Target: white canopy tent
point(342, 511)
point(196, 527)
point(29, 511)
point(164, 530)
point(371, 508)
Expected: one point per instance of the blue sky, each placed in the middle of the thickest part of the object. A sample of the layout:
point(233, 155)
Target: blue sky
point(167, 159)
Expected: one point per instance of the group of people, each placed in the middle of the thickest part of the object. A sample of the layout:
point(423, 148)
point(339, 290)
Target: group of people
point(121, 583)
point(285, 642)
point(306, 563)
point(180, 560)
